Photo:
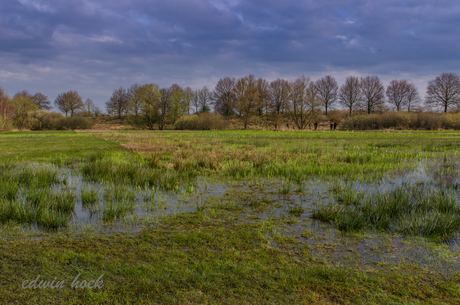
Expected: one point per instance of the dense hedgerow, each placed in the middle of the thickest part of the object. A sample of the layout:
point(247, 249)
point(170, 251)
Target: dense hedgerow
point(403, 120)
point(56, 121)
point(202, 121)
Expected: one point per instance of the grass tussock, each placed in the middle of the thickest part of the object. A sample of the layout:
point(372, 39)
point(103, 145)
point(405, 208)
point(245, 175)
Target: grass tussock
point(88, 197)
point(26, 197)
point(132, 170)
point(420, 209)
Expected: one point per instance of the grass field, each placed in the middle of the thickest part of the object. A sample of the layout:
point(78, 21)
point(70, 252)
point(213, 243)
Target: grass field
point(247, 217)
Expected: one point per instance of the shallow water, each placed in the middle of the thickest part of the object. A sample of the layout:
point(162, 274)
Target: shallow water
point(261, 201)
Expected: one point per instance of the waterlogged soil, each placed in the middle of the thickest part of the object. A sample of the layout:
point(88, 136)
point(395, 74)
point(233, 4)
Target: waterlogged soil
point(279, 209)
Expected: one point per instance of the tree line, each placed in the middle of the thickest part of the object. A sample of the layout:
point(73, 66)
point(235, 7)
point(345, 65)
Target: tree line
point(25, 110)
point(302, 101)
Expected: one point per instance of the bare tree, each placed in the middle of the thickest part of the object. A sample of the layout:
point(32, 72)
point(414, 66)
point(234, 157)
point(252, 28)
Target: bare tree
point(278, 99)
point(69, 102)
point(373, 92)
point(246, 98)
point(203, 100)
point(350, 93)
point(164, 105)
point(118, 102)
point(413, 98)
point(397, 92)
point(401, 93)
point(327, 90)
point(196, 101)
point(279, 95)
point(304, 103)
point(41, 101)
point(264, 96)
point(188, 98)
point(443, 91)
point(7, 109)
point(97, 111)
point(297, 108)
point(89, 105)
point(134, 100)
point(224, 96)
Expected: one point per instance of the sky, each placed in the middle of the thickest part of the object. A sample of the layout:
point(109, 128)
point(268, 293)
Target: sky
point(96, 46)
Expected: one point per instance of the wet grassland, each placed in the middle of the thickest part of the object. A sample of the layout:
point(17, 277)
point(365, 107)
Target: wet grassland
point(247, 217)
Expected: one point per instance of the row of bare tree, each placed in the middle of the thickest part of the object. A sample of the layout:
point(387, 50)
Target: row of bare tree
point(301, 100)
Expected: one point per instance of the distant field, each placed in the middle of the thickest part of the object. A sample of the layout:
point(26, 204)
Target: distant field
point(248, 217)
point(32, 145)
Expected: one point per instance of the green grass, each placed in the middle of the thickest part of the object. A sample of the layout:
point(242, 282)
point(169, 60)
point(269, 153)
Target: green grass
point(205, 261)
point(118, 202)
point(9, 189)
point(27, 197)
point(19, 146)
point(88, 197)
point(296, 156)
point(234, 247)
point(420, 209)
point(296, 210)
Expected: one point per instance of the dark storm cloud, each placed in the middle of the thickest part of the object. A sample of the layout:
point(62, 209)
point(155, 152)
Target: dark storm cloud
point(96, 46)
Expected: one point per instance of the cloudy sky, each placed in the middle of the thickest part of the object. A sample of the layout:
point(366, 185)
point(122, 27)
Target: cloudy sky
point(95, 46)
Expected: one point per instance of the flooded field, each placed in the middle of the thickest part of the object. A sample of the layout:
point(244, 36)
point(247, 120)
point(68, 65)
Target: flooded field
point(280, 208)
point(339, 206)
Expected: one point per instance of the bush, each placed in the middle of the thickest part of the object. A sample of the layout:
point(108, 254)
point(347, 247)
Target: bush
point(75, 123)
point(430, 121)
point(202, 121)
point(451, 120)
point(133, 120)
point(48, 121)
point(402, 120)
point(56, 121)
point(5, 126)
point(83, 113)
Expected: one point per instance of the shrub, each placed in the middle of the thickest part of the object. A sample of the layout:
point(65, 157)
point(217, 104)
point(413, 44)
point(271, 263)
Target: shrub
point(75, 123)
point(83, 113)
point(202, 121)
point(403, 120)
point(430, 121)
point(56, 121)
point(48, 121)
point(5, 125)
point(451, 121)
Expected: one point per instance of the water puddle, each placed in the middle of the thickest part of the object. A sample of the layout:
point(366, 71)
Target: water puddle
point(277, 206)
